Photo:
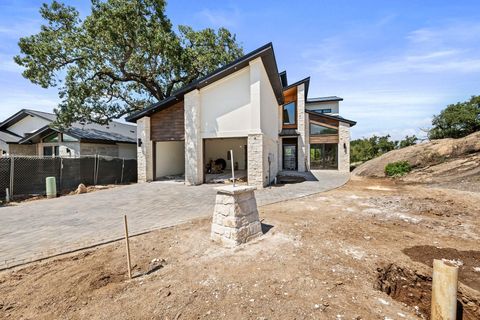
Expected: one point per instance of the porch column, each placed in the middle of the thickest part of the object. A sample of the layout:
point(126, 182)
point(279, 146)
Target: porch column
point(255, 160)
point(144, 151)
point(301, 127)
point(193, 139)
point(344, 147)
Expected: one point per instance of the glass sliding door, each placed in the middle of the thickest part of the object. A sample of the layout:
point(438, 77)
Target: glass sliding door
point(323, 156)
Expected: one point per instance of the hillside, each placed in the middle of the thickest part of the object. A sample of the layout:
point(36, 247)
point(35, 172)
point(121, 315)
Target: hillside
point(447, 162)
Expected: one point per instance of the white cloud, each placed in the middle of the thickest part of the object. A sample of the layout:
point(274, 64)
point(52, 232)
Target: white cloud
point(221, 18)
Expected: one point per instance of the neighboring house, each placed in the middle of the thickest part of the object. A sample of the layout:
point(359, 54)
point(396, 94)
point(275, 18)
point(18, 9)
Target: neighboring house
point(29, 133)
point(246, 106)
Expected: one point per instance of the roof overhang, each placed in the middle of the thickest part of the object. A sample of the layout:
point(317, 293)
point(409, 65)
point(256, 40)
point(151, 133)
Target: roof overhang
point(19, 116)
point(306, 81)
point(265, 52)
point(337, 118)
point(323, 99)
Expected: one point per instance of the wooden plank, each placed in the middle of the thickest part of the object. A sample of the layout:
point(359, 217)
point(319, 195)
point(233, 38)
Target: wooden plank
point(168, 124)
point(327, 138)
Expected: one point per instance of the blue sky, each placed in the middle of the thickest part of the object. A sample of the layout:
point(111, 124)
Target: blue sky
point(396, 63)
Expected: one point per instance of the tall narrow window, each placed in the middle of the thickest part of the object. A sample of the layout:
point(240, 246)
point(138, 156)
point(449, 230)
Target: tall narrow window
point(289, 113)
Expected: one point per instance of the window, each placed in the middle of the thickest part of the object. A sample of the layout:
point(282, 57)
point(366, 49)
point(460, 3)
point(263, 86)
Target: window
point(323, 110)
point(289, 112)
point(51, 151)
point(316, 129)
point(51, 138)
point(67, 138)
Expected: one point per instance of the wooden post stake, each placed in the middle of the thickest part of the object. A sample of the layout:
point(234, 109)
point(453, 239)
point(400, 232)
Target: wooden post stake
point(444, 291)
point(233, 167)
point(127, 245)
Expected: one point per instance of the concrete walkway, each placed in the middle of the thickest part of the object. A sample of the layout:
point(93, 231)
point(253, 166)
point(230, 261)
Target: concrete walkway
point(44, 228)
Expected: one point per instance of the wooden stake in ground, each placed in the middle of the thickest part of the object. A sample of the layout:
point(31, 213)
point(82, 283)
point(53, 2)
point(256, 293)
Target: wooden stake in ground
point(444, 291)
point(127, 245)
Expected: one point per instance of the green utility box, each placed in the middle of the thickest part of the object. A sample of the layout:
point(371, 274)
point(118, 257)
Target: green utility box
point(51, 185)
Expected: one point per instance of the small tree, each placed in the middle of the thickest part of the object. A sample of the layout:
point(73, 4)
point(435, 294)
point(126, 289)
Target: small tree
point(121, 58)
point(457, 120)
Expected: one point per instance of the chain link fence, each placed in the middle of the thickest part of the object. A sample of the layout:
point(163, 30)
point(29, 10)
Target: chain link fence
point(24, 176)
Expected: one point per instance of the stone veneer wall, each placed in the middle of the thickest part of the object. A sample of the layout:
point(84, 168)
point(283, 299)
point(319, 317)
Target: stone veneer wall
point(235, 217)
point(145, 151)
point(344, 154)
point(301, 127)
point(193, 139)
point(255, 166)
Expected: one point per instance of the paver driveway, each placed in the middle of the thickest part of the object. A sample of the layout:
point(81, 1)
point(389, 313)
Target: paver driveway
point(39, 229)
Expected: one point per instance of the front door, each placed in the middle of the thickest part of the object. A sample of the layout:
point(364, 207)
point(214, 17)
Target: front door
point(289, 154)
point(323, 156)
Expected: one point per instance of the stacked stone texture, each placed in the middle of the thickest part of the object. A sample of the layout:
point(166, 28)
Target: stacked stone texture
point(235, 217)
point(255, 160)
point(344, 152)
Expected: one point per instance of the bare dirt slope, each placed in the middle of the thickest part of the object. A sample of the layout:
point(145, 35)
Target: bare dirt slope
point(446, 161)
point(363, 251)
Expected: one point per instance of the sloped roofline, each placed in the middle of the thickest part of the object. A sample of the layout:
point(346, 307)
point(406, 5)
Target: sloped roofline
point(20, 115)
point(350, 122)
point(268, 58)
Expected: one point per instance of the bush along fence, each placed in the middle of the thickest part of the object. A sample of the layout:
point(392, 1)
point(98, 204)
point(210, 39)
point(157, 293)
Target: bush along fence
point(25, 176)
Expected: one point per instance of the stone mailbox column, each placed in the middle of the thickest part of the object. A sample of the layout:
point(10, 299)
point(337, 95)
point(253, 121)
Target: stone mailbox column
point(235, 217)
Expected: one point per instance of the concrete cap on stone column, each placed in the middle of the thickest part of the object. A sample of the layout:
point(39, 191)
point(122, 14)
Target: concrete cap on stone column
point(230, 189)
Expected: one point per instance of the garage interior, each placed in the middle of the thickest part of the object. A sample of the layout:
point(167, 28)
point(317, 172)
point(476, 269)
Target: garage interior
point(217, 162)
point(169, 160)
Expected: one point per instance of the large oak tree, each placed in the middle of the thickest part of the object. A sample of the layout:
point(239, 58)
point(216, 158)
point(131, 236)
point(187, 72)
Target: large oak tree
point(121, 58)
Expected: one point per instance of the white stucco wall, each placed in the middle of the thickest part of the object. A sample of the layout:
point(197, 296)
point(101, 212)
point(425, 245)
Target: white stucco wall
point(169, 158)
point(218, 148)
point(269, 126)
point(334, 105)
point(225, 106)
point(28, 124)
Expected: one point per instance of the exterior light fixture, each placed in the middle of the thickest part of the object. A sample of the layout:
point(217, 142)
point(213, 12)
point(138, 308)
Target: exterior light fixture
point(139, 142)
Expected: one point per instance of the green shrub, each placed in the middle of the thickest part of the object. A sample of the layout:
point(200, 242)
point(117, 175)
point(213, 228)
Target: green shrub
point(397, 169)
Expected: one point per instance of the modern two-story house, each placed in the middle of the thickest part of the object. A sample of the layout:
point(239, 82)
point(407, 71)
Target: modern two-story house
point(250, 108)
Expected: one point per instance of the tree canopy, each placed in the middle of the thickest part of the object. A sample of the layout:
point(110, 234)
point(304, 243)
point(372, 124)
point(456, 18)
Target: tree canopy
point(368, 148)
point(119, 59)
point(457, 120)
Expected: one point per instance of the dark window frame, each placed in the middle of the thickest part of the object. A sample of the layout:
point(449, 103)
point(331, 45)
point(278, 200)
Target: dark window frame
point(290, 125)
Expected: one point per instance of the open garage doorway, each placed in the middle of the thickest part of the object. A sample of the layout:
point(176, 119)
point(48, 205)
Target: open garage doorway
point(217, 162)
point(169, 163)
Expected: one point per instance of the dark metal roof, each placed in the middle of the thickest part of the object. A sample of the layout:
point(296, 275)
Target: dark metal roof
point(82, 133)
point(324, 99)
point(288, 132)
point(283, 78)
point(8, 136)
point(268, 58)
point(338, 118)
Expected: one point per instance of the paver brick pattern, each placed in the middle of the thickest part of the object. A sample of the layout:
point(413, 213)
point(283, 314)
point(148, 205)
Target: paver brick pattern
point(34, 230)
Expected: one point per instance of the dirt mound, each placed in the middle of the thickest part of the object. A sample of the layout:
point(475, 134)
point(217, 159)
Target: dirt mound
point(443, 155)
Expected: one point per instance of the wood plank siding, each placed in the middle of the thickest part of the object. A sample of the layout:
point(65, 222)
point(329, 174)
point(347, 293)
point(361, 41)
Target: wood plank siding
point(330, 138)
point(168, 124)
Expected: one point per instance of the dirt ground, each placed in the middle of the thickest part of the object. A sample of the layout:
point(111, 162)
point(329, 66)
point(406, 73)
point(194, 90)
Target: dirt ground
point(363, 251)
